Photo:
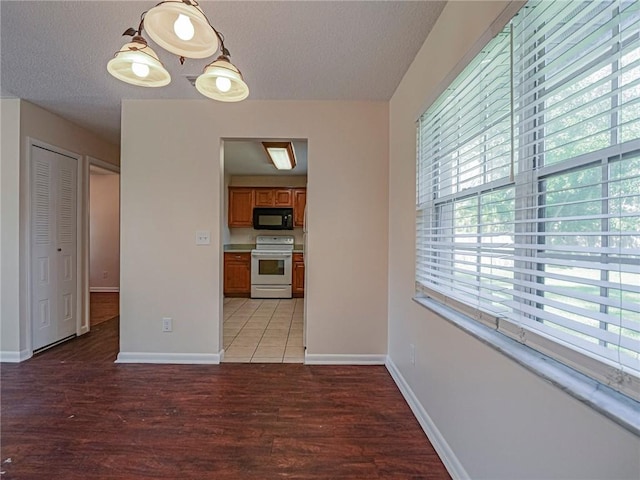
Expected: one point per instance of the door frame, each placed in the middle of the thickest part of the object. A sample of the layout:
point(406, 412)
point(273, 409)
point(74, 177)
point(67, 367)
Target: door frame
point(82, 323)
point(86, 228)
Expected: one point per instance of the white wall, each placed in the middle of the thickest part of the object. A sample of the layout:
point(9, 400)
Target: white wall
point(104, 232)
point(172, 185)
point(500, 420)
point(10, 224)
point(39, 124)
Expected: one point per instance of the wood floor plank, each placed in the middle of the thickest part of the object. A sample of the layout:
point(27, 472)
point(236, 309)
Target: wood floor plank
point(103, 306)
point(71, 413)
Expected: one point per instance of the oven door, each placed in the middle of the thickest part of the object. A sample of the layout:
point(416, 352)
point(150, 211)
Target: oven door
point(271, 268)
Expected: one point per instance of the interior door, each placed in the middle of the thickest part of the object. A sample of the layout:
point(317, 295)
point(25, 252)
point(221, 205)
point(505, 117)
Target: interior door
point(53, 246)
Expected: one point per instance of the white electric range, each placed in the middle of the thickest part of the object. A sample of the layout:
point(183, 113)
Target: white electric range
point(271, 266)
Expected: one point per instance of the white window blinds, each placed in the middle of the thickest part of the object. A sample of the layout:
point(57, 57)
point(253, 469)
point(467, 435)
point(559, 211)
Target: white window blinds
point(528, 187)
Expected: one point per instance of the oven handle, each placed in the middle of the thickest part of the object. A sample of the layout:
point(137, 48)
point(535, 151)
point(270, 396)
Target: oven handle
point(270, 254)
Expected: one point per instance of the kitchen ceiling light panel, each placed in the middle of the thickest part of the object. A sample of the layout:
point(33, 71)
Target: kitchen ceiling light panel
point(281, 154)
point(182, 29)
point(222, 81)
point(137, 64)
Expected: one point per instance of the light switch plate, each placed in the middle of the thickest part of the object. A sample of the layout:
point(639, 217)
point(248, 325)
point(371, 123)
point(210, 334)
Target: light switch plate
point(203, 237)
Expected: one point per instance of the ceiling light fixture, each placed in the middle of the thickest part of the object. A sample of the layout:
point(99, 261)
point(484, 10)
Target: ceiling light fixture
point(281, 154)
point(181, 28)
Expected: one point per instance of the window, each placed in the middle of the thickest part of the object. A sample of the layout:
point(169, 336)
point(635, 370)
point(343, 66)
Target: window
point(528, 187)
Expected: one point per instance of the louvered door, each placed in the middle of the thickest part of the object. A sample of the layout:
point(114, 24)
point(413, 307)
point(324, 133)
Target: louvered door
point(53, 246)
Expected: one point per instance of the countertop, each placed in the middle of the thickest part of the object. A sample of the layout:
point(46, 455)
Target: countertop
point(247, 247)
point(239, 247)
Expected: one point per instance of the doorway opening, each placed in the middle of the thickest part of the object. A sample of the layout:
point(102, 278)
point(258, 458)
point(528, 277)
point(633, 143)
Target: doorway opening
point(104, 242)
point(263, 308)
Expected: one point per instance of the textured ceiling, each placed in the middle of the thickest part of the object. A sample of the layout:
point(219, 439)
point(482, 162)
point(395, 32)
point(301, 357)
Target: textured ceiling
point(54, 53)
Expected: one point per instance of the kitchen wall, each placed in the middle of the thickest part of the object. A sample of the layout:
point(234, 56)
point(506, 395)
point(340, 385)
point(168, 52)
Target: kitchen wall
point(248, 235)
point(226, 231)
point(173, 184)
point(26, 120)
point(499, 420)
point(104, 232)
point(268, 181)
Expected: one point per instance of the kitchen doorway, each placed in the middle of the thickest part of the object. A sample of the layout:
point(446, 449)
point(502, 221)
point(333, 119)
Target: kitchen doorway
point(263, 215)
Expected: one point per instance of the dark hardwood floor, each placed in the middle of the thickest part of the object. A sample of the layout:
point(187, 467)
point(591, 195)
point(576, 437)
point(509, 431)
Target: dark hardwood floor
point(103, 306)
point(71, 413)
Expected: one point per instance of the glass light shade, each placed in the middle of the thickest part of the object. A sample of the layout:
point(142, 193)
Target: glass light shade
point(159, 23)
point(129, 64)
point(208, 85)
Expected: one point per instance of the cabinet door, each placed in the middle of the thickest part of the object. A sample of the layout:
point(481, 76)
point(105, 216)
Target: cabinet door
point(237, 274)
point(240, 207)
point(299, 202)
point(283, 197)
point(297, 280)
point(264, 197)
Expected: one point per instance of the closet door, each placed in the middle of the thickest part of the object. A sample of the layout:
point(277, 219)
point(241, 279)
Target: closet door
point(53, 246)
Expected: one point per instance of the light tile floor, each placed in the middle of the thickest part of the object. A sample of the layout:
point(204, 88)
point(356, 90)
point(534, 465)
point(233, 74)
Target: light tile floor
point(263, 331)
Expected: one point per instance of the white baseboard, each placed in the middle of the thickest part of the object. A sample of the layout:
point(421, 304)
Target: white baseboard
point(447, 455)
point(176, 358)
point(329, 359)
point(15, 357)
point(104, 289)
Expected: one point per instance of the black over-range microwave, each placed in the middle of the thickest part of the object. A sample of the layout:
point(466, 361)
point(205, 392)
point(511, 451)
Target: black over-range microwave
point(273, 218)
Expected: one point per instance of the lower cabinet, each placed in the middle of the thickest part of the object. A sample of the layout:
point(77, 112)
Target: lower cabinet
point(297, 282)
point(237, 274)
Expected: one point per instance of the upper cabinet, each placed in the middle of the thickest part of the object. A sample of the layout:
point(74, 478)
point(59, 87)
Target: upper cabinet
point(299, 203)
point(273, 197)
point(240, 207)
point(283, 197)
point(242, 200)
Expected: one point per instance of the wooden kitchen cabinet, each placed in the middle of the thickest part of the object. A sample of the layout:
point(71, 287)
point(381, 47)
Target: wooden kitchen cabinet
point(299, 202)
point(242, 200)
point(297, 280)
point(283, 197)
point(263, 197)
point(237, 274)
point(273, 197)
point(241, 207)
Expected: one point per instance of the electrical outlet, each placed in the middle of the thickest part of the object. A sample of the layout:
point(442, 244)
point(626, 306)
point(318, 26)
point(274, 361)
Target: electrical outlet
point(105, 274)
point(412, 353)
point(167, 324)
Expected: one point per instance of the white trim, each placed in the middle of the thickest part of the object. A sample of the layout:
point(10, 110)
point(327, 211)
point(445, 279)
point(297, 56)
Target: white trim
point(15, 357)
point(104, 289)
point(444, 450)
point(102, 164)
point(330, 359)
point(175, 358)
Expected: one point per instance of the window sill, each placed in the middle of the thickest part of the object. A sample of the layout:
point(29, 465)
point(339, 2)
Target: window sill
point(615, 406)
